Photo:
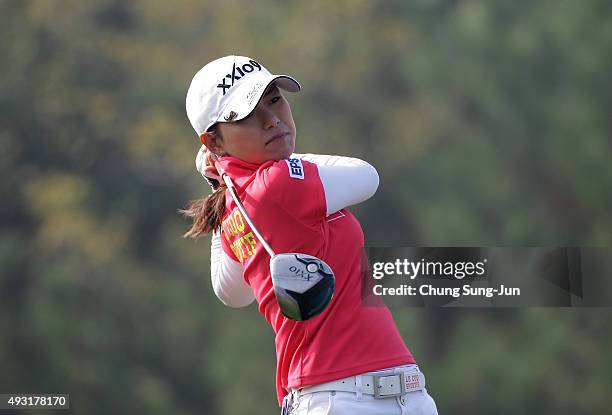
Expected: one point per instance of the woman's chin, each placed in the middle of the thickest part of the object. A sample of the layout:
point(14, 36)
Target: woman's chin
point(284, 153)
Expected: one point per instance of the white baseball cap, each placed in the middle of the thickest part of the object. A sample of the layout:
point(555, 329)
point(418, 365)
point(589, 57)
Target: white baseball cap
point(228, 89)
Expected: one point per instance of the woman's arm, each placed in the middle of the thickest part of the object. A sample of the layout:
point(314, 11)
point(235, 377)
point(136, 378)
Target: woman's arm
point(227, 279)
point(226, 273)
point(346, 180)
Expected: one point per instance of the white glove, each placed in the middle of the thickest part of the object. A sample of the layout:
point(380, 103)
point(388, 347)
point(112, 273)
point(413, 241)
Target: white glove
point(205, 163)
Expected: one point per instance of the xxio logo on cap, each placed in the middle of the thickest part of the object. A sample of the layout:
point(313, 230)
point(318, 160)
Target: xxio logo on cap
point(237, 73)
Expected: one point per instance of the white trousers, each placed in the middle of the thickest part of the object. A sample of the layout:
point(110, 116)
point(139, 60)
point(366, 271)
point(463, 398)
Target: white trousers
point(352, 403)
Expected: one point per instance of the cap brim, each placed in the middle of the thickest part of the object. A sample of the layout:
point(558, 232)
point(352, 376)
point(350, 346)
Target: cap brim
point(246, 97)
point(286, 82)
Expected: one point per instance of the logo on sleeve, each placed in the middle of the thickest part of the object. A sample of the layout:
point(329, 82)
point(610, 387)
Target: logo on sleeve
point(296, 170)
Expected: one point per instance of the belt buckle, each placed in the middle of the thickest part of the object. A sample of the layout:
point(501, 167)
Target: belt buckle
point(378, 386)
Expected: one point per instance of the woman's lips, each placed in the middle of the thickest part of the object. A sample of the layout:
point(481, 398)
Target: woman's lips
point(281, 135)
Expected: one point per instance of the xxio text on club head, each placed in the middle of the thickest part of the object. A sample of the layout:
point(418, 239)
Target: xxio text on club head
point(303, 284)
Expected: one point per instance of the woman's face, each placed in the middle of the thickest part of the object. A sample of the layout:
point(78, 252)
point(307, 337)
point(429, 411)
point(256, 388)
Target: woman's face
point(268, 133)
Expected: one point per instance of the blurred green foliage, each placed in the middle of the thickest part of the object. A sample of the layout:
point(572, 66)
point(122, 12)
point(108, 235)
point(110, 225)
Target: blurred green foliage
point(489, 123)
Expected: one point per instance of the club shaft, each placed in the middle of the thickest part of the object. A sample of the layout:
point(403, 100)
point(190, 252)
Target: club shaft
point(232, 190)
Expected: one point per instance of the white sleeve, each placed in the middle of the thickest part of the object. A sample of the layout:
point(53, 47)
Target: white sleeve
point(346, 180)
point(226, 275)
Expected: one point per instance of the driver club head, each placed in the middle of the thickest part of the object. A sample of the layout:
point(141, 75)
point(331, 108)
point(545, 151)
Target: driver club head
point(303, 284)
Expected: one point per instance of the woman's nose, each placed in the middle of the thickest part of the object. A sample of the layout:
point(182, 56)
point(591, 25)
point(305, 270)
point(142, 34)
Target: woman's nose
point(271, 120)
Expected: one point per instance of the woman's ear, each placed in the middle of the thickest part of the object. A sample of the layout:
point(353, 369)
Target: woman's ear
point(212, 142)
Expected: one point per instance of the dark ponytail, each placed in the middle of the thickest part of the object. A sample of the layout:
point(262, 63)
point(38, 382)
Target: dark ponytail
point(207, 213)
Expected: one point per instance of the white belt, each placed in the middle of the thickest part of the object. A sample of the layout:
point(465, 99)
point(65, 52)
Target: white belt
point(381, 386)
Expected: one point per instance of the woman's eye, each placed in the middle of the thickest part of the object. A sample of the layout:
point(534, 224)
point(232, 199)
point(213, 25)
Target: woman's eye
point(275, 99)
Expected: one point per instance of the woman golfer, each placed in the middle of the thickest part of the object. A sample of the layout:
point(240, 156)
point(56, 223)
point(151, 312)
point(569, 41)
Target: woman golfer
point(349, 359)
